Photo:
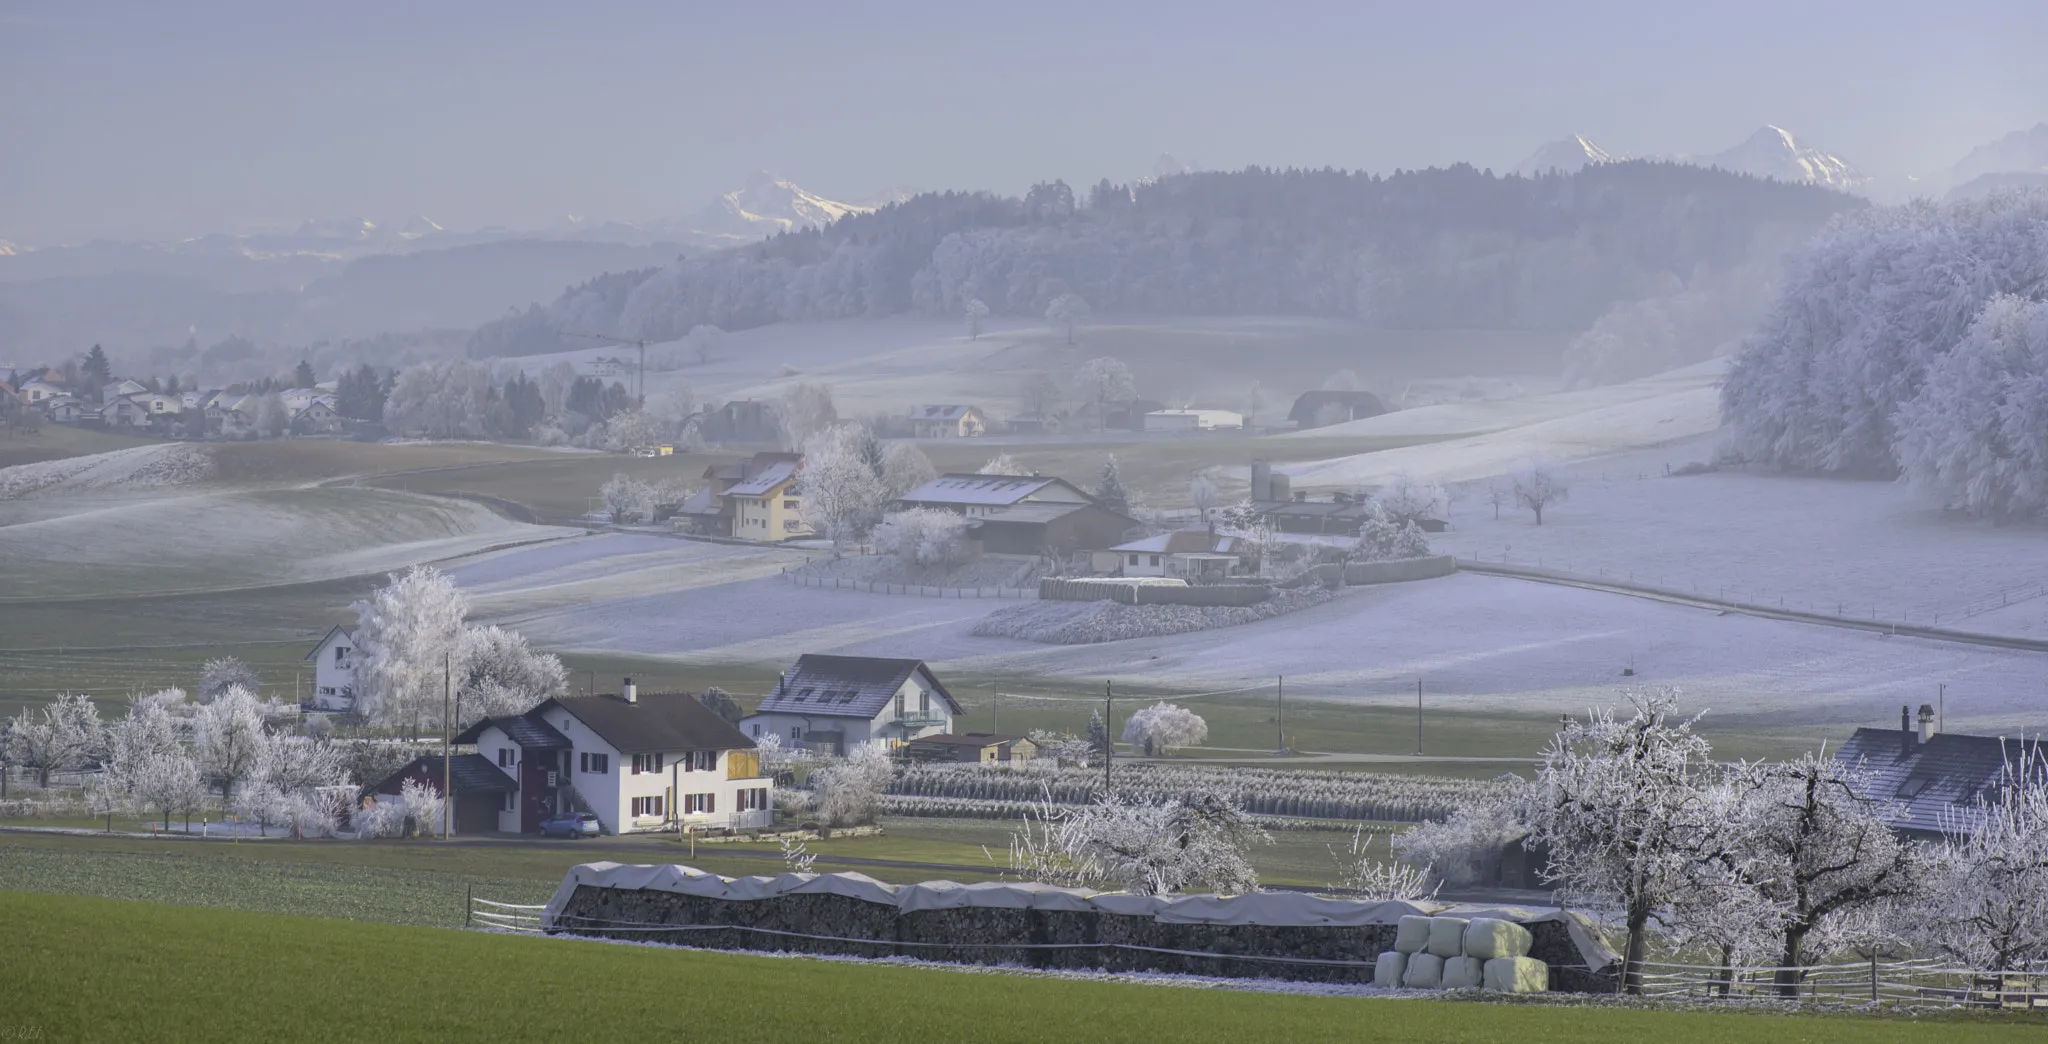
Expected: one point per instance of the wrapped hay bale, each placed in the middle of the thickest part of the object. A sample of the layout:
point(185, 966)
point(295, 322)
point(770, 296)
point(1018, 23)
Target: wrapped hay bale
point(1447, 936)
point(1412, 935)
point(1516, 975)
point(1387, 971)
point(1425, 972)
point(1463, 973)
point(1489, 937)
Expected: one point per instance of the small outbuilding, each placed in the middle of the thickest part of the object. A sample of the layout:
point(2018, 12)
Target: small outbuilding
point(481, 789)
point(985, 748)
point(1192, 420)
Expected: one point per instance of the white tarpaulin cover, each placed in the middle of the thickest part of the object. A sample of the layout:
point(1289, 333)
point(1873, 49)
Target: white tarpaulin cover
point(1259, 908)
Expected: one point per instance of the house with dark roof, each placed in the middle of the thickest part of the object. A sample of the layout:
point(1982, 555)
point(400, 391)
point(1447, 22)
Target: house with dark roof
point(838, 703)
point(640, 762)
point(976, 748)
point(979, 495)
point(1315, 409)
point(1936, 778)
point(480, 789)
point(947, 422)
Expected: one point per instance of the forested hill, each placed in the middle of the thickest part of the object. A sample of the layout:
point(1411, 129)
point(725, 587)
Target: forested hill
point(1453, 247)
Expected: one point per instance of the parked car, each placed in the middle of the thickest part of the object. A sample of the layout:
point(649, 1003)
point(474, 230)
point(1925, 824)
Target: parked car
point(571, 824)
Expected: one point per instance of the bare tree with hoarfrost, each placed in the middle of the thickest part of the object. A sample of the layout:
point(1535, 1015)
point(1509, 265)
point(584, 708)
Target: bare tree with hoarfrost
point(1202, 494)
point(426, 806)
point(501, 674)
point(844, 488)
point(1975, 438)
point(1410, 499)
point(223, 673)
point(1466, 847)
point(627, 499)
point(850, 789)
point(1381, 539)
point(167, 782)
point(1068, 312)
point(706, 343)
point(1164, 727)
point(1987, 905)
point(1002, 464)
point(1620, 802)
point(1538, 486)
point(408, 634)
point(1159, 848)
point(1821, 848)
point(632, 431)
point(976, 313)
point(1103, 380)
point(229, 739)
point(924, 538)
point(904, 468)
point(1365, 876)
point(449, 399)
point(804, 412)
point(63, 735)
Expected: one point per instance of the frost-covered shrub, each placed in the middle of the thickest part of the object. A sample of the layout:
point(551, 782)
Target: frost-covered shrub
point(849, 790)
point(424, 805)
point(1381, 538)
point(1465, 847)
point(924, 538)
point(384, 817)
point(1163, 727)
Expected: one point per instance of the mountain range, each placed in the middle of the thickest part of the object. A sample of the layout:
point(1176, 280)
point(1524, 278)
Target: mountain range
point(1771, 152)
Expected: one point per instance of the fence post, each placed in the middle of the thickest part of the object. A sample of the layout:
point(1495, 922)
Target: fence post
point(1873, 978)
point(468, 901)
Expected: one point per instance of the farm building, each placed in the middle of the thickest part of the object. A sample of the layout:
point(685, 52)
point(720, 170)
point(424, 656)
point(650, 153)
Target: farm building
point(837, 703)
point(947, 422)
point(1191, 554)
point(766, 507)
point(707, 511)
point(979, 495)
point(481, 789)
point(1192, 420)
point(1316, 409)
point(1053, 529)
point(1035, 424)
point(985, 748)
point(639, 762)
point(1934, 777)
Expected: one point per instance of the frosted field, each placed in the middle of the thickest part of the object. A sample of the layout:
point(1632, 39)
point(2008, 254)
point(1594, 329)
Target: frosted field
point(542, 582)
point(1480, 643)
point(1820, 544)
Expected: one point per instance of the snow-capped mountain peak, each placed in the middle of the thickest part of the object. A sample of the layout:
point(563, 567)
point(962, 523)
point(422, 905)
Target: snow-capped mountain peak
point(767, 205)
point(418, 225)
point(1772, 152)
point(1564, 156)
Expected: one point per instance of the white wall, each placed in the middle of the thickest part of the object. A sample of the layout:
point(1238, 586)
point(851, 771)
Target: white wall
point(334, 684)
point(489, 743)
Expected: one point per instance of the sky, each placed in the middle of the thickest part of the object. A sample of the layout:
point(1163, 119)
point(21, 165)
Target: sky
point(151, 120)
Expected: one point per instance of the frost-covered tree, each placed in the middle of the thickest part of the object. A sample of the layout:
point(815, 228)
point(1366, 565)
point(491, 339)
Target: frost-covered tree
point(426, 806)
point(1411, 499)
point(223, 673)
point(804, 412)
point(904, 468)
point(1499, 496)
point(796, 855)
point(1465, 847)
point(850, 789)
point(501, 674)
point(976, 312)
point(844, 488)
point(633, 430)
point(1987, 902)
point(1538, 486)
point(229, 739)
point(446, 399)
point(1821, 847)
point(1064, 748)
point(1158, 848)
point(1620, 802)
point(1975, 437)
point(627, 498)
point(706, 343)
point(166, 781)
point(1366, 876)
point(272, 417)
point(1382, 539)
point(1202, 494)
point(63, 735)
point(1876, 298)
point(1103, 380)
point(408, 635)
point(1109, 487)
point(1002, 464)
point(924, 538)
point(1164, 727)
point(1068, 312)
point(1098, 736)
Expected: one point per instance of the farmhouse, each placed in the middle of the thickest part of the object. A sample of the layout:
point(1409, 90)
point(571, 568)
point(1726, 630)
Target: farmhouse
point(1192, 420)
point(837, 703)
point(639, 763)
point(36, 389)
point(1053, 529)
point(1935, 778)
point(1316, 409)
point(947, 422)
point(707, 511)
point(765, 507)
point(63, 409)
point(124, 413)
point(977, 496)
point(1191, 554)
point(334, 673)
point(985, 748)
point(480, 789)
point(316, 417)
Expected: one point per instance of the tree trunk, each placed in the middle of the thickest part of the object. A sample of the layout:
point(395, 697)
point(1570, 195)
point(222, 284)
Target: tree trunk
point(1632, 960)
point(1539, 514)
point(1787, 977)
point(1727, 971)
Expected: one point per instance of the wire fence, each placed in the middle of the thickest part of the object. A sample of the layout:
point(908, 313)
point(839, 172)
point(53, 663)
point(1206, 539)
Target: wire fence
point(835, 583)
point(1856, 982)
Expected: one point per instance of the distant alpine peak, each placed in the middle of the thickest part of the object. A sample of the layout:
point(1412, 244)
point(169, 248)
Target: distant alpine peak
point(1565, 156)
point(1772, 152)
point(419, 225)
point(768, 204)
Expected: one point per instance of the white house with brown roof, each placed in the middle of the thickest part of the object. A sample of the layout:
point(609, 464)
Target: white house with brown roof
point(837, 703)
point(639, 762)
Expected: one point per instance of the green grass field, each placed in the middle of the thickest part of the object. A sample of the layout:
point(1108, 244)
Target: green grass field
point(96, 969)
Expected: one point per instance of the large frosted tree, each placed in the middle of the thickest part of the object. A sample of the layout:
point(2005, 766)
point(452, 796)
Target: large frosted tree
point(845, 488)
point(1975, 437)
point(408, 633)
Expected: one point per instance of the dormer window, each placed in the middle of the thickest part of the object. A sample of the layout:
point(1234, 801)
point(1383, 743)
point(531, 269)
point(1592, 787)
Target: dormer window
point(1912, 787)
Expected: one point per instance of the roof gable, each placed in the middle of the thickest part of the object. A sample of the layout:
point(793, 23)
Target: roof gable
point(993, 490)
point(848, 686)
point(328, 639)
point(663, 721)
point(766, 483)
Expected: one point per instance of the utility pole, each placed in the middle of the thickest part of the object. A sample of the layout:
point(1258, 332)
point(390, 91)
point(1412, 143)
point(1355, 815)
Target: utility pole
point(1108, 737)
point(1418, 716)
point(1280, 713)
point(447, 763)
point(1941, 708)
point(640, 381)
point(995, 711)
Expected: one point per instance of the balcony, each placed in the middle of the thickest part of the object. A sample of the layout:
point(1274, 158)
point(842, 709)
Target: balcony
point(914, 720)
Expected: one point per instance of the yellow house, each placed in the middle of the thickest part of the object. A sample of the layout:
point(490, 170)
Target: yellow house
point(947, 422)
point(765, 508)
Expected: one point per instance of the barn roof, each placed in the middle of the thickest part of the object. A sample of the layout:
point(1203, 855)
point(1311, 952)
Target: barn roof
point(981, 490)
point(1935, 781)
point(846, 686)
point(659, 721)
point(473, 774)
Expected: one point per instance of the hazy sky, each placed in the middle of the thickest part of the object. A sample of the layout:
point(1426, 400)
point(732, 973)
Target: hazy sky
point(155, 119)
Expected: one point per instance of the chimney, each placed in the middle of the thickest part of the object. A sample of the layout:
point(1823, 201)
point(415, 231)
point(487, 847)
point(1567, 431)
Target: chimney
point(628, 692)
point(1906, 737)
point(1926, 722)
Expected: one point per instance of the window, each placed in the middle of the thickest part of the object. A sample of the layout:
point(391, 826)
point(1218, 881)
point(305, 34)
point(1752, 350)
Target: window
point(700, 803)
point(340, 655)
point(789, 505)
point(511, 803)
point(757, 729)
point(1134, 559)
point(646, 763)
point(753, 799)
point(1155, 559)
point(924, 702)
point(796, 733)
point(649, 806)
point(507, 757)
point(595, 764)
point(899, 704)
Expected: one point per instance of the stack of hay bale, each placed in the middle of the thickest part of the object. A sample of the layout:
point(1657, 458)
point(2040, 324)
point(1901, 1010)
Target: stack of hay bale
point(1452, 953)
